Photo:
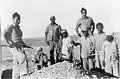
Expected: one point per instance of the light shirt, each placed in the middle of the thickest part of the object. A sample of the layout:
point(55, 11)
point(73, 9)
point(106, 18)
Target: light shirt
point(109, 49)
point(53, 32)
point(87, 46)
point(14, 33)
point(85, 23)
point(66, 44)
point(99, 39)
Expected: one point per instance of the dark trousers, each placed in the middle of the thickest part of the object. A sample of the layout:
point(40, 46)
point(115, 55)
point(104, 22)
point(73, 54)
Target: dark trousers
point(54, 54)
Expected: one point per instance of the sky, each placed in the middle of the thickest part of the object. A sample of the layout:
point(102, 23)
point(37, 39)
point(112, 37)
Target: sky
point(35, 14)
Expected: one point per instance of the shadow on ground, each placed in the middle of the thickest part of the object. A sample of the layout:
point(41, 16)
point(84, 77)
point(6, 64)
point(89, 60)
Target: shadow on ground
point(7, 74)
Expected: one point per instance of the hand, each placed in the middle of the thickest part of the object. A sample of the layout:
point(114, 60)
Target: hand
point(47, 42)
point(79, 35)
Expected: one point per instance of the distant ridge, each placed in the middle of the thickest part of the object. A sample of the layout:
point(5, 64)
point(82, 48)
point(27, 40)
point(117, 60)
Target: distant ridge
point(38, 41)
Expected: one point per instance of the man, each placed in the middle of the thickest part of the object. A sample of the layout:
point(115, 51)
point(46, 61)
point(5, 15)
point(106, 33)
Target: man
point(85, 23)
point(40, 59)
point(13, 36)
point(52, 35)
point(99, 38)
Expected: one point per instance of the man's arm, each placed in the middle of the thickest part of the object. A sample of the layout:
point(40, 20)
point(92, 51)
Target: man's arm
point(7, 35)
point(93, 26)
point(46, 32)
point(77, 27)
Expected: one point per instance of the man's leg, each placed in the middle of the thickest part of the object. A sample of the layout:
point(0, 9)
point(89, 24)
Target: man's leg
point(108, 66)
point(52, 52)
point(57, 52)
point(15, 67)
point(90, 63)
point(115, 68)
point(85, 63)
point(97, 60)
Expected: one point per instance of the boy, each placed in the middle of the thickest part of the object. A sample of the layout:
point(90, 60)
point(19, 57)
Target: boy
point(67, 46)
point(110, 55)
point(99, 38)
point(40, 59)
point(87, 49)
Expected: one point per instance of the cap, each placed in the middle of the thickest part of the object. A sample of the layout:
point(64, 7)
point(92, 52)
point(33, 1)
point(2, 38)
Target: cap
point(64, 31)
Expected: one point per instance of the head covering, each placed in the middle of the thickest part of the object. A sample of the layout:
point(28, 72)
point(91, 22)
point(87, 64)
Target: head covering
point(109, 37)
point(64, 31)
point(52, 18)
point(40, 48)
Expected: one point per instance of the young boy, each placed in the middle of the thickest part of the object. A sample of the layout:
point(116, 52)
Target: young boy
point(40, 59)
point(87, 49)
point(110, 55)
point(67, 46)
point(99, 38)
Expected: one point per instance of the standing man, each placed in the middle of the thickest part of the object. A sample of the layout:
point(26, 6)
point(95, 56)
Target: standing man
point(52, 36)
point(85, 23)
point(13, 37)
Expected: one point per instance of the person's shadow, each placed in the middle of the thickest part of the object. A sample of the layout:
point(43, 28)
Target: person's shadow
point(101, 73)
point(6, 74)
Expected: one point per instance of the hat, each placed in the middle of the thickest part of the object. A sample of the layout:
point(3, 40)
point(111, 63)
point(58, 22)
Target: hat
point(64, 31)
point(52, 17)
point(40, 48)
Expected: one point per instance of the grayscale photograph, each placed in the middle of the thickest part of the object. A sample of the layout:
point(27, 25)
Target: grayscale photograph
point(60, 39)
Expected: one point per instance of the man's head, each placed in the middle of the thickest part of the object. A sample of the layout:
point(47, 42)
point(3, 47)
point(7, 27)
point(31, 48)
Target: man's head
point(64, 33)
point(83, 12)
point(85, 32)
point(40, 49)
point(99, 27)
point(16, 18)
point(52, 19)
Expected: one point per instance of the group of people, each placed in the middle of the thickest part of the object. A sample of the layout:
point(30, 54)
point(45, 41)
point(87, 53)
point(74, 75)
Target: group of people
point(96, 50)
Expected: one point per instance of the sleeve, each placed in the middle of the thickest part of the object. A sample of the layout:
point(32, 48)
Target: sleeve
point(47, 30)
point(78, 23)
point(92, 22)
point(8, 33)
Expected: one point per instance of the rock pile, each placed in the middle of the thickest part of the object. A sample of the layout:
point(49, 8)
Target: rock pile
point(62, 70)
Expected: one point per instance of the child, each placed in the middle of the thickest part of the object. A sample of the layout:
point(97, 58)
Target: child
point(111, 56)
point(99, 38)
point(87, 49)
point(67, 46)
point(40, 59)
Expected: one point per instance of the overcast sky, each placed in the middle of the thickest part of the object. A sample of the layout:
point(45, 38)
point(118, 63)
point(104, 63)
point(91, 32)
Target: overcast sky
point(35, 14)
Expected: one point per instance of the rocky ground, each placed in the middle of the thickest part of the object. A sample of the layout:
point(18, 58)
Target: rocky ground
point(61, 70)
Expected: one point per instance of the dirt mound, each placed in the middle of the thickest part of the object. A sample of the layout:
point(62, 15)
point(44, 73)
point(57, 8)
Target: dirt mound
point(62, 70)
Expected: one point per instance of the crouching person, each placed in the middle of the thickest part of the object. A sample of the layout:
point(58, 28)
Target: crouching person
point(111, 56)
point(40, 59)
